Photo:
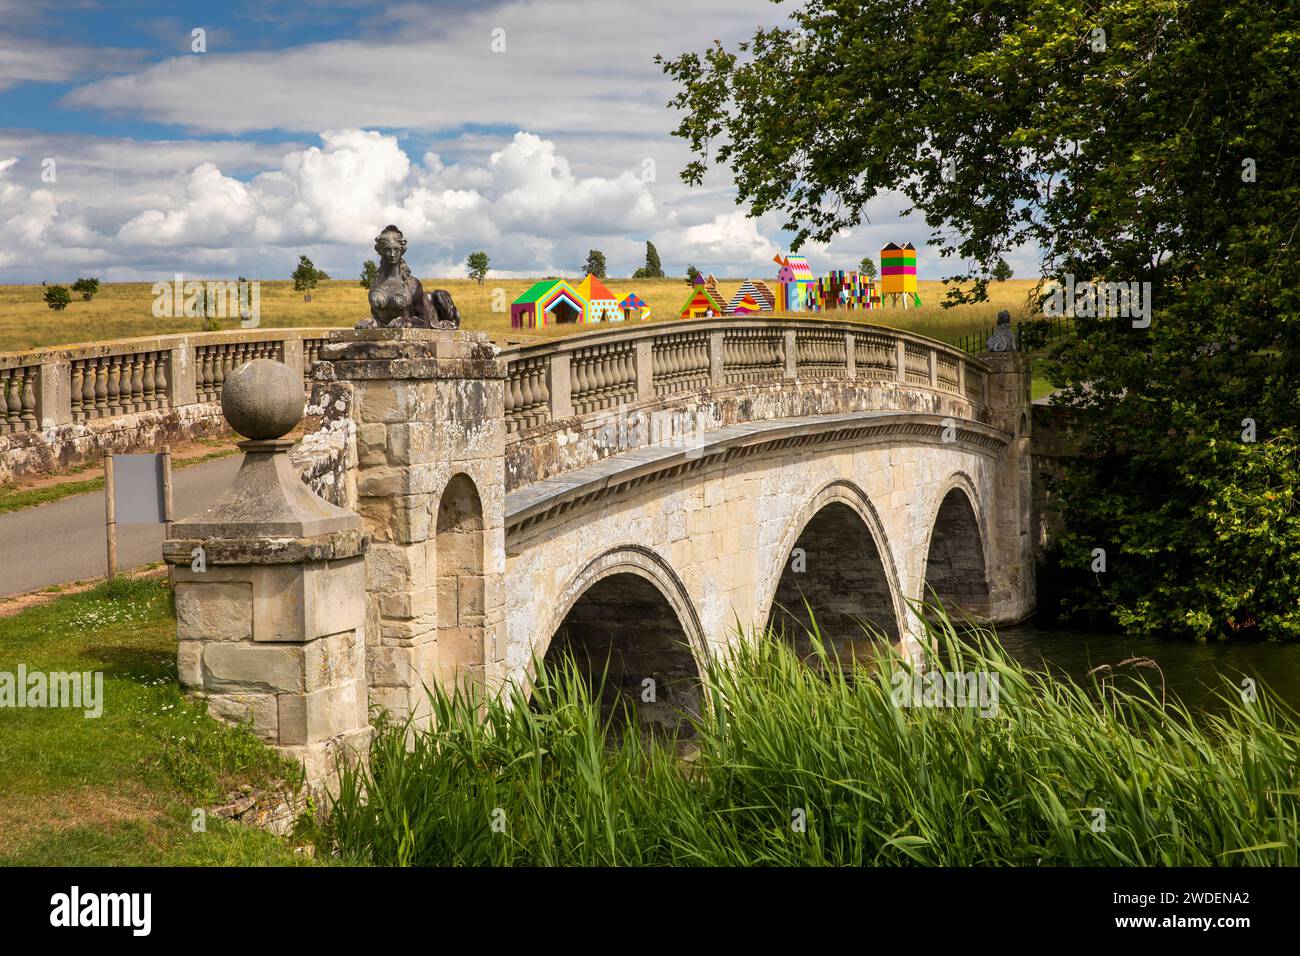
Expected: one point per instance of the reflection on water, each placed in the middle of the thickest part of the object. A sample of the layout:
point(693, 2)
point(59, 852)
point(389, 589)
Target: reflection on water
point(1196, 673)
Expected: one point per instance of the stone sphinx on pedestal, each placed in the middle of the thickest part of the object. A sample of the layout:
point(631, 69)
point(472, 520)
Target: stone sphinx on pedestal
point(397, 299)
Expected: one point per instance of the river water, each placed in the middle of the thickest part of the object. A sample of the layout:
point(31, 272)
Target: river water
point(1196, 673)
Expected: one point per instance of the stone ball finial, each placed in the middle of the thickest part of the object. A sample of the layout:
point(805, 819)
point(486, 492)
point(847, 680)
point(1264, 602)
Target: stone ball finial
point(262, 399)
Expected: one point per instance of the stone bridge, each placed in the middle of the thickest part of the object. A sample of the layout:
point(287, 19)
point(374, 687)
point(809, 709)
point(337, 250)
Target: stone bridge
point(641, 497)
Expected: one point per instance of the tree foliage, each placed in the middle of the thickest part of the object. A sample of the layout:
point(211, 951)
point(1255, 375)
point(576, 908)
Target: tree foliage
point(595, 264)
point(87, 287)
point(368, 273)
point(1150, 141)
point(867, 267)
point(57, 297)
point(306, 276)
point(477, 264)
point(1002, 271)
point(652, 268)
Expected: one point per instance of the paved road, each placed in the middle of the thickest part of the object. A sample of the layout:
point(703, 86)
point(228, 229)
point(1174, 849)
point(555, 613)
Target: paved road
point(64, 541)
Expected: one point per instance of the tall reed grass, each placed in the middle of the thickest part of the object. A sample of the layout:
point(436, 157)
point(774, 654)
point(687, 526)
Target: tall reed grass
point(520, 782)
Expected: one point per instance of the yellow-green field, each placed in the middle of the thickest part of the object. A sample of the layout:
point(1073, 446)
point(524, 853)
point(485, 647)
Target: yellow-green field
point(122, 310)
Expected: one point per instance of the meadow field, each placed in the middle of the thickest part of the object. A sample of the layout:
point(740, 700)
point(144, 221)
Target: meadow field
point(123, 310)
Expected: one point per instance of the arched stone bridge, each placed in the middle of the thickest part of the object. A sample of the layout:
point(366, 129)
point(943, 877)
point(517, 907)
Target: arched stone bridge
point(642, 497)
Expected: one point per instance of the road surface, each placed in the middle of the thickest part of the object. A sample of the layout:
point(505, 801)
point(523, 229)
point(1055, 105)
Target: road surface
point(64, 540)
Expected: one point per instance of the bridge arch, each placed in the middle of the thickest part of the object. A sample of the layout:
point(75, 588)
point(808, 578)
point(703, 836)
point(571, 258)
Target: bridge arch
point(955, 559)
point(848, 574)
point(627, 619)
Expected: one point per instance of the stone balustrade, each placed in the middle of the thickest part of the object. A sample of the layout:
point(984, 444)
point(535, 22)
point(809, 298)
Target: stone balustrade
point(64, 405)
point(596, 371)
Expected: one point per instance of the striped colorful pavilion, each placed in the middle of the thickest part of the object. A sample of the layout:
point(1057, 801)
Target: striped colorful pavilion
point(548, 302)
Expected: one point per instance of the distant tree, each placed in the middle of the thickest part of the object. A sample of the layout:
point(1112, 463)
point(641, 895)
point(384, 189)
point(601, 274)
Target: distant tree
point(305, 277)
point(87, 288)
point(652, 269)
point(368, 273)
point(692, 274)
point(477, 263)
point(1002, 271)
point(867, 267)
point(57, 297)
point(595, 264)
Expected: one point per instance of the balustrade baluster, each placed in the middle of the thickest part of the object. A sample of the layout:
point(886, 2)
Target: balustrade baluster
point(147, 381)
point(5, 376)
point(160, 379)
point(101, 386)
point(114, 385)
point(137, 383)
point(29, 396)
point(77, 375)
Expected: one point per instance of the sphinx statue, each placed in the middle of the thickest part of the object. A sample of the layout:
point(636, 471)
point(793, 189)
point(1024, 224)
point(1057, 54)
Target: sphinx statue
point(397, 299)
point(1003, 338)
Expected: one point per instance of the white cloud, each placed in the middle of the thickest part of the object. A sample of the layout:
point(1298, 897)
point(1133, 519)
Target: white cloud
point(564, 68)
point(729, 240)
point(525, 204)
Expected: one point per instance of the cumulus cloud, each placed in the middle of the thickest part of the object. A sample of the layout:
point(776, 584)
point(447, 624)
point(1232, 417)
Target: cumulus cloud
point(525, 203)
point(730, 238)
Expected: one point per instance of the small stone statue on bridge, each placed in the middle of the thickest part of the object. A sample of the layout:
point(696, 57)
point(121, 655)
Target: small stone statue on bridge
point(397, 299)
point(1002, 339)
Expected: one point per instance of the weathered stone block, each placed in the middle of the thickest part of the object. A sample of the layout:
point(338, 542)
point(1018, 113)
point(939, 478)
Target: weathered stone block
point(301, 603)
point(389, 666)
point(259, 711)
point(411, 443)
point(253, 667)
point(372, 444)
point(393, 480)
point(189, 664)
point(214, 611)
point(408, 604)
point(333, 660)
point(314, 717)
point(395, 567)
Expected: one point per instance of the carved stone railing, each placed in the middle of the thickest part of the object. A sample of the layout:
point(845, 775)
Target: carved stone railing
point(57, 403)
point(592, 372)
point(80, 383)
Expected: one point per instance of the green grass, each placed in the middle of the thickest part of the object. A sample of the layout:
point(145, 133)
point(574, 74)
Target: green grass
point(16, 499)
point(120, 789)
point(877, 783)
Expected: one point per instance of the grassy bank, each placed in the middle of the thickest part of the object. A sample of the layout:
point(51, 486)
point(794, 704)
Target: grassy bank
point(121, 789)
point(793, 769)
point(123, 310)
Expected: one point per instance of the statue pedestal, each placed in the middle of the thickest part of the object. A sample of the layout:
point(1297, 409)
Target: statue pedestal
point(429, 407)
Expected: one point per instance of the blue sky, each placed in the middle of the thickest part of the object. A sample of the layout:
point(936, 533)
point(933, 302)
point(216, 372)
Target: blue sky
point(532, 130)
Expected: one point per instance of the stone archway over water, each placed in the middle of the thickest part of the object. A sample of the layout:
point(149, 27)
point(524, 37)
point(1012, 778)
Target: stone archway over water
point(955, 571)
point(836, 569)
point(630, 647)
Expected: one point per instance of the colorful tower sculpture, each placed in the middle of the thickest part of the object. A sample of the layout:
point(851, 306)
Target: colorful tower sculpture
point(898, 273)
